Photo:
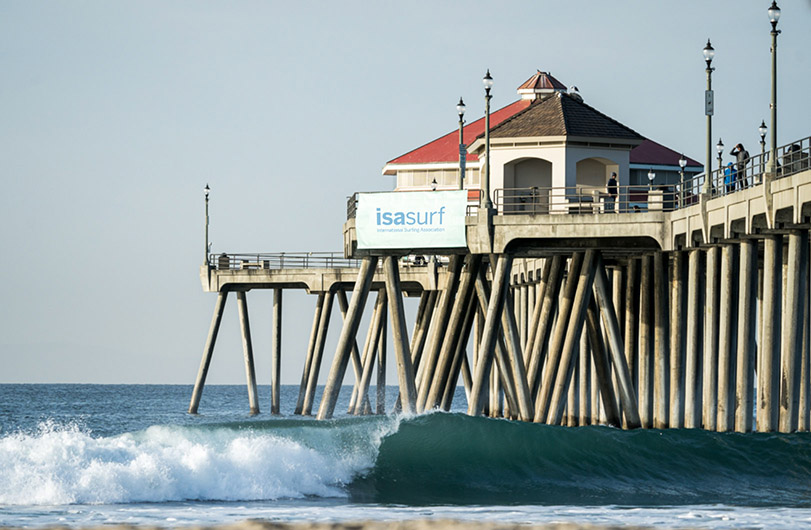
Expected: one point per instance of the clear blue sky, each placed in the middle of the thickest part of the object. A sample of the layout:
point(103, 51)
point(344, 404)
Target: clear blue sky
point(114, 115)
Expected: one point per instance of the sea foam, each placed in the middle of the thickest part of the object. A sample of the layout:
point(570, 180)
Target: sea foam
point(67, 465)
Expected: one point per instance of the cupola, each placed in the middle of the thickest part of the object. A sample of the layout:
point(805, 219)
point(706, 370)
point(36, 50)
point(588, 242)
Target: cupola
point(540, 86)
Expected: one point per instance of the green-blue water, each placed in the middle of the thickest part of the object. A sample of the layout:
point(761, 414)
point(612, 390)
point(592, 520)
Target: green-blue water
point(95, 454)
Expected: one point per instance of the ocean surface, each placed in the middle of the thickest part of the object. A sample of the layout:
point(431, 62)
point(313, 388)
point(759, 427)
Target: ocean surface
point(79, 455)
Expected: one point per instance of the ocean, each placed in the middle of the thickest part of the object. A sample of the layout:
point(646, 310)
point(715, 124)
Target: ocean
point(80, 455)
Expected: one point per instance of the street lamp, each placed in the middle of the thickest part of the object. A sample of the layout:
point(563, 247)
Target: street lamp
point(720, 148)
point(207, 190)
point(488, 84)
point(651, 176)
point(433, 184)
point(762, 130)
point(709, 53)
point(682, 165)
point(774, 16)
point(460, 109)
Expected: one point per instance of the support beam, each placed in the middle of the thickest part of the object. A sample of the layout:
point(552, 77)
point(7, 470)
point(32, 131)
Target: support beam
point(382, 356)
point(770, 315)
point(513, 344)
point(318, 355)
point(601, 367)
point(357, 363)
point(543, 318)
point(544, 396)
point(692, 364)
point(644, 368)
point(460, 358)
point(492, 324)
point(584, 373)
point(465, 293)
point(441, 324)
point(208, 350)
point(631, 323)
point(747, 321)
point(370, 351)
point(661, 356)
point(711, 319)
point(678, 323)
point(726, 339)
point(616, 349)
point(308, 361)
point(247, 348)
point(576, 320)
point(276, 352)
point(405, 370)
point(348, 332)
point(791, 341)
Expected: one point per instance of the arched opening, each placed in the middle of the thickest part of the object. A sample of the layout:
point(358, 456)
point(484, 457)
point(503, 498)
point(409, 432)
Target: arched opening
point(527, 183)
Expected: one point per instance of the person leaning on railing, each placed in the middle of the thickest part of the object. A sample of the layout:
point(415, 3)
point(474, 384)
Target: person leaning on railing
point(741, 156)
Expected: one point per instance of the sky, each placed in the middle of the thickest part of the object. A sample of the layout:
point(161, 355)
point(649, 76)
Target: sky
point(115, 115)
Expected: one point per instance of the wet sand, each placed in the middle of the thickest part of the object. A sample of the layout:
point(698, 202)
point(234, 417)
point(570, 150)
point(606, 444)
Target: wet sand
point(418, 524)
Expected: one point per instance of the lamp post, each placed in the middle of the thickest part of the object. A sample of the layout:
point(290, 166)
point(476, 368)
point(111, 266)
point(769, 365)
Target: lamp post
point(460, 109)
point(488, 84)
point(651, 176)
point(720, 148)
point(206, 190)
point(682, 165)
point(774, 16)
point(762, 130)
point(433, 185)
point(709, 53)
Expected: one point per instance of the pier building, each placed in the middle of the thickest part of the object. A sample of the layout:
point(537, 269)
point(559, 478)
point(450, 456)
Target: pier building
point(678, 304)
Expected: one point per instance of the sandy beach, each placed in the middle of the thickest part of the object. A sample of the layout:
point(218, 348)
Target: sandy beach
point(416, 524)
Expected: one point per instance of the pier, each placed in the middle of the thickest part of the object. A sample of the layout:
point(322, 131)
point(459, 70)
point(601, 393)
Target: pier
point(690, 313)
point(569, 272)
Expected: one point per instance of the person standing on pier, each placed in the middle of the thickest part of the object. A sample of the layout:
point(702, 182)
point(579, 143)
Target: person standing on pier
point(741, 156)
point(613, 190)
point(729, 177)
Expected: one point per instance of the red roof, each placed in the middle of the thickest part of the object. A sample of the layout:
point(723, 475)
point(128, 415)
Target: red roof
point(650, 152)
point(446, 148)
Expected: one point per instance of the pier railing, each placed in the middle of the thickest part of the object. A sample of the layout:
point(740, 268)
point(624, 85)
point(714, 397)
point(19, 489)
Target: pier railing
point(792, 158)
point(282, 260)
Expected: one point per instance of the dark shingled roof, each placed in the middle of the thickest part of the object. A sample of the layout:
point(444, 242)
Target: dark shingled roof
point(562, 115)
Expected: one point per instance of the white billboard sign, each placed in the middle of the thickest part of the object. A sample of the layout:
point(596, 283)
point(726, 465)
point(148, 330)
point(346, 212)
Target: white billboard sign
point(411, 220)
